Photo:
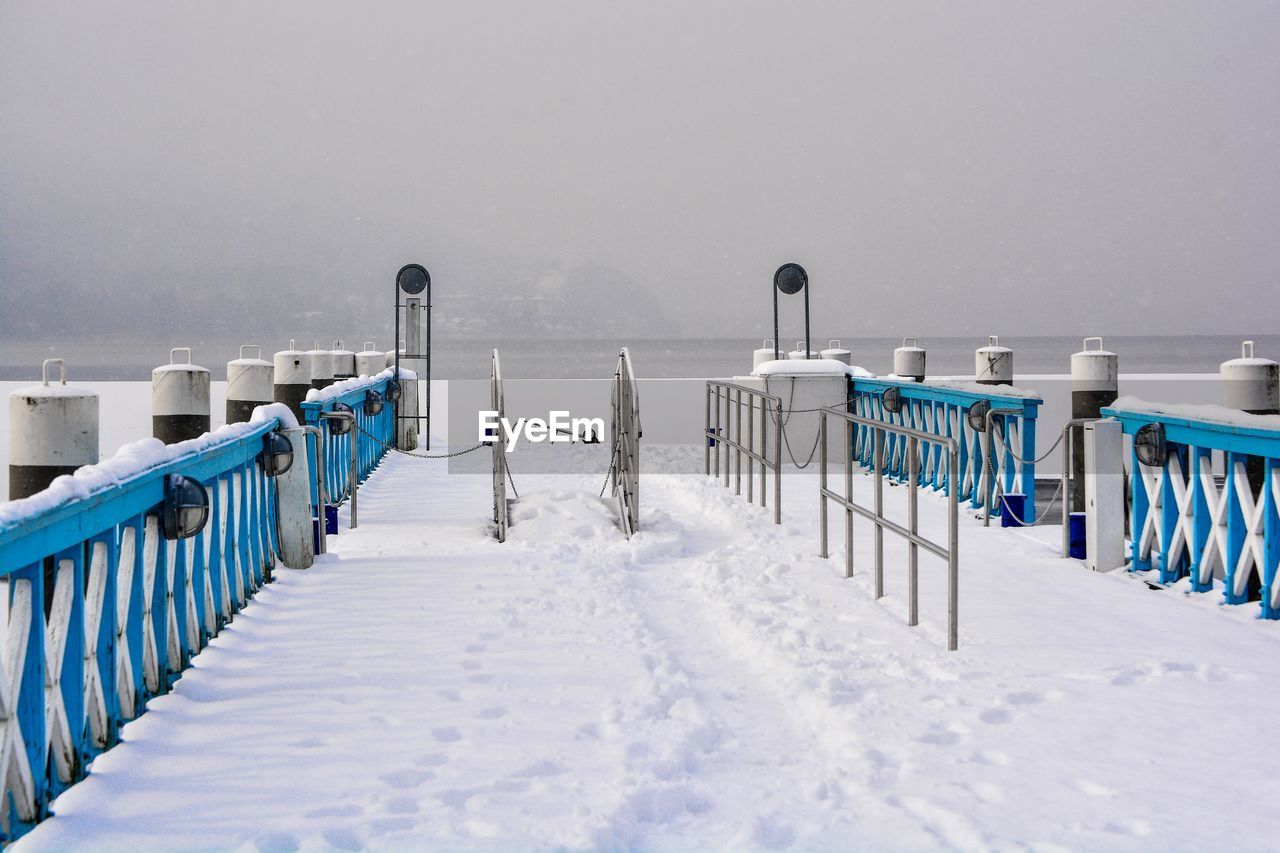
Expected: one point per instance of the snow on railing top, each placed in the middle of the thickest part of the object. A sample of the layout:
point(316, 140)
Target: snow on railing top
point(130, 462)
point(356, 383)
point(815, 366)
point(1191, 413)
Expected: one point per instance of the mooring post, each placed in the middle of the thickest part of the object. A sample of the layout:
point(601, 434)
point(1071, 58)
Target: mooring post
point(292, 378)
point(1095, 382)
point(53, 431)
point(993, 364)
point(179, 399)
point(908, 360)
point(248, 384)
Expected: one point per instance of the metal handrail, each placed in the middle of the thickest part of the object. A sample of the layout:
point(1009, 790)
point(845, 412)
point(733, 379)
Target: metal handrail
point(990, 475)
point(322, 491)
point(354, 479)
point(732, 394)
point(876, 516)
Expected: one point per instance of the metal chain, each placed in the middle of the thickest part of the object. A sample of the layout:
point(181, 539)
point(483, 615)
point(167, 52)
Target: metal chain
point(505, 467)
point(395, 449)
point(1004, 439)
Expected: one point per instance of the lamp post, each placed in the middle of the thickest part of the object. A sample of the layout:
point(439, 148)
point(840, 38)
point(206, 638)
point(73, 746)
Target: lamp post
point(791, 279)
point(412, 280)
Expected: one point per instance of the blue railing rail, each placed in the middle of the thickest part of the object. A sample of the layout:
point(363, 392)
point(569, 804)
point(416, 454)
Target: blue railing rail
point(373, 433)
point(940, 408)
point(104, 612)
point(1183, 522)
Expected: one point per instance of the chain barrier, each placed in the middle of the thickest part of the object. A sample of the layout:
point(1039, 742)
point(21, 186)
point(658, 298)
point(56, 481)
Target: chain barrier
point(392, 447)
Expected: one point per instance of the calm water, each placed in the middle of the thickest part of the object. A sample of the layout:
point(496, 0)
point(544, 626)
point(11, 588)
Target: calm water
point(524, 359)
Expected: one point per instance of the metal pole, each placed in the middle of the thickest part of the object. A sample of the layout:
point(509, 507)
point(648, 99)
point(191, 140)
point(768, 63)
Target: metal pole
point(986, 472)
point(953, 549)
point(776, 354)
point(706, 429)
point(353, 474)
point(808, 348)
point(1067, 452)
point(777, 467)
point(737, 442)
point(426, 433)
point(848, 497)
point(728, 451)
point(764, 454)
point(822, 484)
point(913, 550)
point(877, 438)
point(751, 446)
point(717, 439)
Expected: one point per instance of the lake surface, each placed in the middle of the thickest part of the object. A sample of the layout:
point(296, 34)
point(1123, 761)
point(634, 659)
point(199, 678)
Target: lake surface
point(589, 359)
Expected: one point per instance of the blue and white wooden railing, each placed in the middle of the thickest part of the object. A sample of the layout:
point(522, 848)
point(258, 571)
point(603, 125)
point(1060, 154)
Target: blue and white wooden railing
point(940, 408)
point(373, 434)
point(104, 612)
point(1183, 523)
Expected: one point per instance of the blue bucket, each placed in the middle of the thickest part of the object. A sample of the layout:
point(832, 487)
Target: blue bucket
point(1075, 536)
point(1013, 507)
point(330, 519)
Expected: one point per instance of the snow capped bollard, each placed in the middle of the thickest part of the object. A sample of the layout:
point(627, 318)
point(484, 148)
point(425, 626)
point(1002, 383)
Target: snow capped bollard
point(391, 355)
point(908, 360)
point(993, 364)
point(321, 366)
point(837, 352)
point(1095, 382)
point(292, 378)
point(370, 361)
point(179, 399)
point(248, 385)
point(293, 490)
point(1251, 384)
point(53, 430)
point(344, 361)
point(767, 352)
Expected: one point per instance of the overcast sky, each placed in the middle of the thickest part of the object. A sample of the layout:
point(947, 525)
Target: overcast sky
point(939, 168)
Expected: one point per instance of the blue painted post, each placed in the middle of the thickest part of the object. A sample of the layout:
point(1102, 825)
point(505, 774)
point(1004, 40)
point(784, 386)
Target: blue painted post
point(1271, 546)
point(1028, 453)
point(213, 564)
point(160, 618)
point(105, 641)
point(135, 614)
point(1201, 522)
point(1235, 530)
point(1141, 506)
point(1168, 521)
point(71, 677)
point(31, 698)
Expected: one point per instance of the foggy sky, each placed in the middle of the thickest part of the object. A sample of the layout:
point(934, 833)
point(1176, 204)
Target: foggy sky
point(939, 168)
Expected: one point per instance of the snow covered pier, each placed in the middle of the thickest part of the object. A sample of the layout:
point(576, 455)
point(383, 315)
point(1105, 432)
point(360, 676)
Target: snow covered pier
point(709, 682)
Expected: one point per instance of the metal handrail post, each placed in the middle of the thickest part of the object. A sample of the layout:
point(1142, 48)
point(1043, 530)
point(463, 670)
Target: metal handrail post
point(987, 463)
point(877, 443)
point(706, 398)
point(848, 493)
point(751, 420)
point(1068, 449)
point(322, 492)
point(728, 447)
point(717, 439)
point(913, 524)
point(764, 450)
point(953, 548)
point(822, 485)
point(777, 467)
point(737, 439)
point(355, 456)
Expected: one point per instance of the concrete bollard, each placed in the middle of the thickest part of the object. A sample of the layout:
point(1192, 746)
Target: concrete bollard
point(1095, 383)
point(391, 355)
point(908, 360)
point(292, 378)
point(838, 353)
point(993, 364)
point(321, 366)
point(370, 361)
point(53, 430)
point(799, 352)
point(344, 361)
point(293, 490)
point(248, 385)
point(179, 399)
point(1250, 384)
point(767, 352)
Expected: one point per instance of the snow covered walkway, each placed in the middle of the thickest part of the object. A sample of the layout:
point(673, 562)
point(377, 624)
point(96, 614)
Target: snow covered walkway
point(709, 684)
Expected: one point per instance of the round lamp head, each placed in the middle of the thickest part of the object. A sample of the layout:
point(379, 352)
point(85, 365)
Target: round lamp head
point(891, 399)
point(977, 416)
point(277, 454)
point(413, 279)
point(373, 403)
point(186, 507)
point(340, 426)
point(393, 392)
point(790, 278)
point(1149, 445)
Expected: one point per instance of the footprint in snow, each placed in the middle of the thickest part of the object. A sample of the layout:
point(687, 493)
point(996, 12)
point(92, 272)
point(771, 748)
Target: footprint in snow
point(342, 838)
point(996, 716)
point(494, 713)
point(446, 734)
point(407, 778)
point(475, 648)
point(432, 759)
